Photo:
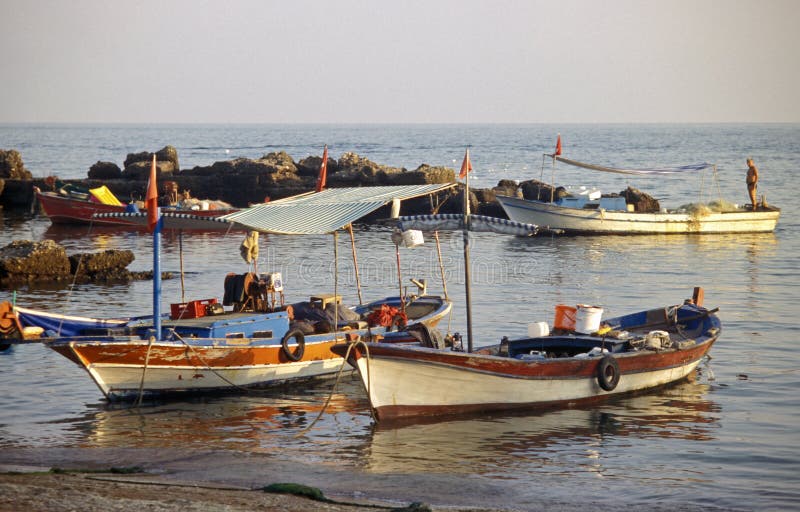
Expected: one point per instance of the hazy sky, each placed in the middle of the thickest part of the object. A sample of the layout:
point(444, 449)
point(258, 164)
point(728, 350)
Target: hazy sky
point(263, 61)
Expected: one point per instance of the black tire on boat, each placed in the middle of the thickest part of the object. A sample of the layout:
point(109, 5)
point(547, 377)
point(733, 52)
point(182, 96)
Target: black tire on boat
point(608, 373)
point(300, 339)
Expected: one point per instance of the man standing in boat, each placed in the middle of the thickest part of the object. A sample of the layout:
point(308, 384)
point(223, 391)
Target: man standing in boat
point(752, 181)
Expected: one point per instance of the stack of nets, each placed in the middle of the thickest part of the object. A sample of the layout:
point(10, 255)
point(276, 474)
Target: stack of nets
point(716, 206)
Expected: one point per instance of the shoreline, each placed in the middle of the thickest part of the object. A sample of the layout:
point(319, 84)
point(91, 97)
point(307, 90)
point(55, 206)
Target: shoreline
point(87, 479)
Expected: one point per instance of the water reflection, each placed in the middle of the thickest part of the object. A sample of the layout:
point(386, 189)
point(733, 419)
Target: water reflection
point(551, 442)
point(259, 421)
point(498, 446)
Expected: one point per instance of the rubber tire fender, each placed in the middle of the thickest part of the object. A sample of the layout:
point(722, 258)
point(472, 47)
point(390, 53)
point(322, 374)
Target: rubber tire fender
point(608, 373)
point(298, 352)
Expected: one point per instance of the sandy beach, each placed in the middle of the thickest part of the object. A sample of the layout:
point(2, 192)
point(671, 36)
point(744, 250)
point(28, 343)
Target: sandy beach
point(126, 480)
point(46, 492)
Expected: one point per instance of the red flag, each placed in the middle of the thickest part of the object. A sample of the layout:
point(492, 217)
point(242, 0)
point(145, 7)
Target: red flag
point(466, 166)
point(558, 146)
point(151, 199)
point(323, 170)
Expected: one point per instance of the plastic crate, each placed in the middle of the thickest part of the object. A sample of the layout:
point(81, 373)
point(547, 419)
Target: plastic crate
point(191, 309)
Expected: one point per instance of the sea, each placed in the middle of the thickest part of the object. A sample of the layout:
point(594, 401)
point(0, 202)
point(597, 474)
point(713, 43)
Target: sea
point(726, 439)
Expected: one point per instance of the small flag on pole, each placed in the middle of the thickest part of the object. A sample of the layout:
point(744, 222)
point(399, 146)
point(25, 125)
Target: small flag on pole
point(151, 199)
point(466, 166)
point(558, 146)
point(323, 170)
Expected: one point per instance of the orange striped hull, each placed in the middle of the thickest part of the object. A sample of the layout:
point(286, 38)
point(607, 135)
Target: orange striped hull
point(124, 369)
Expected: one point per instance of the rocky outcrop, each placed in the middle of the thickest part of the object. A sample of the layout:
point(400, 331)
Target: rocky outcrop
point(11, 165)
point(137, 165)
point(245, 181)
point(109, 265)
point(309, 166)
point(105, 171)
point(26, 262)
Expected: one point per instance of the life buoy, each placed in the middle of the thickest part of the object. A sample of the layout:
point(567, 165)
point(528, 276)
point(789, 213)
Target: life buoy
point(300, 340)
point(608, 373)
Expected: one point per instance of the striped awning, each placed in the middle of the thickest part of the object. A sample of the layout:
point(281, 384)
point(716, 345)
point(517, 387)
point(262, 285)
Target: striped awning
point(326, 211)
point(306, 214)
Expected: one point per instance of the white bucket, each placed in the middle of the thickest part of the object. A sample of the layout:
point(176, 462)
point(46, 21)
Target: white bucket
point(538, 329)
point(587, 319)
point(413, 238)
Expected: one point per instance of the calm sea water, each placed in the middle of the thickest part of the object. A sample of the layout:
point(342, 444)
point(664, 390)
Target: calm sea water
point(727, 439)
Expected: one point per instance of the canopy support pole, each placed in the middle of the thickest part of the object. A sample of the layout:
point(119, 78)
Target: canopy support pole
point(335, 285)
point(355, 262)
point(441, 265)
point(399, 277)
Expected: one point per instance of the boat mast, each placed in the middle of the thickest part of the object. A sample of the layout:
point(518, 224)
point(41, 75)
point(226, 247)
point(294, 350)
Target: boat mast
point(157, 276)
point(155, 222)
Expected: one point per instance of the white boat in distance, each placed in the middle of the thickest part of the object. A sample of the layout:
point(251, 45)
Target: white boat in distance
point(612, 215)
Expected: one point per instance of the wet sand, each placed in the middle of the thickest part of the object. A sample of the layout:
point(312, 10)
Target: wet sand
point(203, 481)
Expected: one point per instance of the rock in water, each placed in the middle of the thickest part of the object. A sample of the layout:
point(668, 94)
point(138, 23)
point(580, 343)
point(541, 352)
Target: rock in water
point(23, 260)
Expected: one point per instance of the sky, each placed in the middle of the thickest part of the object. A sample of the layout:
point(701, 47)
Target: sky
point(426, 61)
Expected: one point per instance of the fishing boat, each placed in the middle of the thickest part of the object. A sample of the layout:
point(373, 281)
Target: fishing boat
point(78, 206)
point(203, 350)
point(629, 353)
point(254, 337)
point(593, 213)
point(583, 358)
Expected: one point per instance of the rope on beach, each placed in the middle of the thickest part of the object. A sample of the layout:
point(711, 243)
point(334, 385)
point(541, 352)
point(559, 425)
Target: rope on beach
point(300, 490)
point(335, 383)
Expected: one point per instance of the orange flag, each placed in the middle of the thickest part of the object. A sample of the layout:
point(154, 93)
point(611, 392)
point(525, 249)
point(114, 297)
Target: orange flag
point(466, 166)
point(151, 199)
point(558, 146)
point(323, 170)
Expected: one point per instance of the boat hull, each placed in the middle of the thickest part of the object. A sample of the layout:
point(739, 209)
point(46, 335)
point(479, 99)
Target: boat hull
point(127, 369)
point(69, 210)
point(129, 366)
point(464, 383)
point(638, 351)
point(598, 221)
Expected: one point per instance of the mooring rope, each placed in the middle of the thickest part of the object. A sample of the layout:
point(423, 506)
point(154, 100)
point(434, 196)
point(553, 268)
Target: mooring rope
point(144, 371)
point(208, 366)
point(336, 383)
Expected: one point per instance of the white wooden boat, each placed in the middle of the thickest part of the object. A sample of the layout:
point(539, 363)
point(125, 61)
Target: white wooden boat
point(593, 218)
point(613, 215)
point(639, 351)
point(222, 352)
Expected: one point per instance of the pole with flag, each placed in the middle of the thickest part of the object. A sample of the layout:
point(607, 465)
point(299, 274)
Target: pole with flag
point(154, 226)
point(323, 171)
point(556, 154)
point(466, 167)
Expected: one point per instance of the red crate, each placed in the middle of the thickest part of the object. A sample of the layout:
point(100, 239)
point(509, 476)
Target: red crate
point(191, 309)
